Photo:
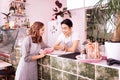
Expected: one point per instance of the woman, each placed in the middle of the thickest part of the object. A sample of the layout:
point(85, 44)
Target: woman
point(68, 40)
point(31, 51)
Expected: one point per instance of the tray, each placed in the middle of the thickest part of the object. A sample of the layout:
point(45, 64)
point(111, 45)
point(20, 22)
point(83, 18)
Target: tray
point(88, 60)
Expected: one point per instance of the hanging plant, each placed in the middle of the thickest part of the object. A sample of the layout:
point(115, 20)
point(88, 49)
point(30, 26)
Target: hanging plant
point(59, 11)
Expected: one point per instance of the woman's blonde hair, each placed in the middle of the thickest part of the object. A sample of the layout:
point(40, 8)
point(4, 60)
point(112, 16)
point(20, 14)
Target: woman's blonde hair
point(34, 32)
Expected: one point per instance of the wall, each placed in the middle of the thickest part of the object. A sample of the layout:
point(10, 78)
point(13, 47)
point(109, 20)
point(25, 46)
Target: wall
point(41, 10)
point(38, 10)
point(79, 22)
point(4, 7)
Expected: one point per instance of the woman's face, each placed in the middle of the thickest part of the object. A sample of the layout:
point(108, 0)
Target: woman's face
point(41, 31)
point(66, 30)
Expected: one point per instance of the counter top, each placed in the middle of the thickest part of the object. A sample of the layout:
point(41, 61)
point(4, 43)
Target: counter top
point(56, 67)
point(57, 53)
point(4, 64)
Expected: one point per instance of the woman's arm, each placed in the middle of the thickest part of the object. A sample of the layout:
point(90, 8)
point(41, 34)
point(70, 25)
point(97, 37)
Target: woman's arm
point(41, 55)
point(26, 46)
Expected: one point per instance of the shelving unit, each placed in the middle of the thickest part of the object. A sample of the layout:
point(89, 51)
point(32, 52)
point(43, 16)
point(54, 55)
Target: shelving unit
point(17, 9)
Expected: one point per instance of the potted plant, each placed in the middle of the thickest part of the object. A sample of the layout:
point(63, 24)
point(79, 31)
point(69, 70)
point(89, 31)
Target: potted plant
point(109, 15)
point(59, 11)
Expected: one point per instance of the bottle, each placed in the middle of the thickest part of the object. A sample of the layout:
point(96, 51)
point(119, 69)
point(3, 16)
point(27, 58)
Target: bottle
point(25, 22)
point(28, 23)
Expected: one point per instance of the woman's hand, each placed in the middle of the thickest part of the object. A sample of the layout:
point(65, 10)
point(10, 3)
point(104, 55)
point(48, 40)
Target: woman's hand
point(42, 53)
point(48, 50)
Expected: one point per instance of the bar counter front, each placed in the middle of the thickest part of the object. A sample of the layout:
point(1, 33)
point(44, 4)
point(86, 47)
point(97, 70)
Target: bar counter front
point(58, 66)
point(55, 67)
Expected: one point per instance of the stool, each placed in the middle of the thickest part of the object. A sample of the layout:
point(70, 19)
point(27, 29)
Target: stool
point(6, 73)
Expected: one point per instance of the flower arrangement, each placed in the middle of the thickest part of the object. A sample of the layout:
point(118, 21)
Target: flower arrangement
point(59, 11)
